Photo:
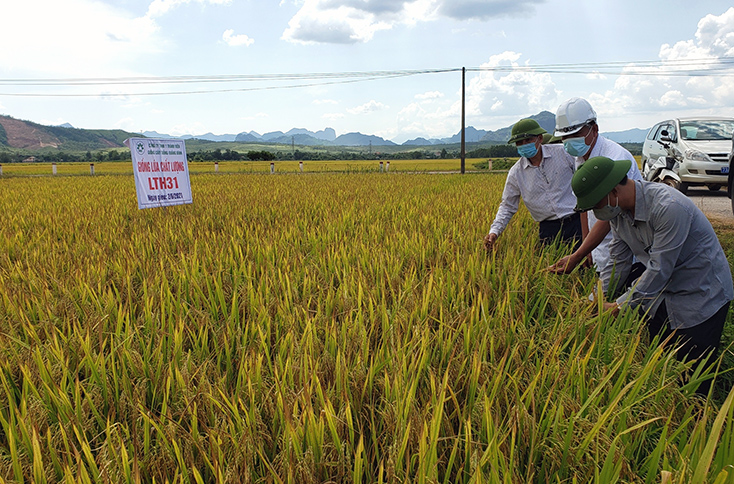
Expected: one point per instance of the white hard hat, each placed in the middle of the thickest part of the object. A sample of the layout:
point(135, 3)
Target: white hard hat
point(573, 115)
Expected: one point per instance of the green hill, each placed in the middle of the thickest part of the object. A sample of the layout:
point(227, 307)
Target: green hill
point(28, 136)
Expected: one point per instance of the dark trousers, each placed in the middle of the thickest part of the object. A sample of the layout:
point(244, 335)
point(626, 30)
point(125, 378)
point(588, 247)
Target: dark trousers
point(568, 229)
point(701, 342)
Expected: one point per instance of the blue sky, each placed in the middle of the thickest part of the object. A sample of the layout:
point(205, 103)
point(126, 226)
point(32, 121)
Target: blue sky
point(75, 41)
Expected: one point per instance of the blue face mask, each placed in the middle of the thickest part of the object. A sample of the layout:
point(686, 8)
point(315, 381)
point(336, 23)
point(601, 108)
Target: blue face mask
point(576, 146)
point(527, 150)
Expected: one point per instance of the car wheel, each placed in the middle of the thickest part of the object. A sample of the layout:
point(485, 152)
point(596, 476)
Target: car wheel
point(671, 182)
point(714, 188)
point(683, 187)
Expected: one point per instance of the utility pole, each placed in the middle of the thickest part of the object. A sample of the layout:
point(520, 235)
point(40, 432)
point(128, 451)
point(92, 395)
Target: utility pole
point(463, 120)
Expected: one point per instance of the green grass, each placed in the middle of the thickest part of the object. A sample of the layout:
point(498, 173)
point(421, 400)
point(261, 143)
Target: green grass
point(331, 328)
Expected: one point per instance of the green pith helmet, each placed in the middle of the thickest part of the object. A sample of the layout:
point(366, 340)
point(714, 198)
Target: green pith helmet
point(525, 128)
point(596, 178)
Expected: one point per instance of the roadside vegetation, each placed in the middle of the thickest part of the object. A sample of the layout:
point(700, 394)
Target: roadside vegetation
point(331, 328)
point(210, 151)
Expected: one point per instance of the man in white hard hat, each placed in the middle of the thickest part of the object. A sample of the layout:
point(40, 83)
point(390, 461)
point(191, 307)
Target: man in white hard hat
point(542, 179)
point(576, 126)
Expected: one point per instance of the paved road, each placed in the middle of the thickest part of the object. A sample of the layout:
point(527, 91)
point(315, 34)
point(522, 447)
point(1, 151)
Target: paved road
point(713, 204)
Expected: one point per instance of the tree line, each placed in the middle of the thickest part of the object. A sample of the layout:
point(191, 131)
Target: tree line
point(493, 151)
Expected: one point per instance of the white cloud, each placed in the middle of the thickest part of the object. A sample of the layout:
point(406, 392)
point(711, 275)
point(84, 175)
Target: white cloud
point(497, 91)
point(333, 116)
point(370, 107)
point(75, 37)
point(415, 120)
point(82, 38)
point(429, 95)
point(188, 128)
point(681, 95)
point(352, 21)
point(318, 21)
point(128, 124)
point(236, 40)
point(716, 34)
point(672, 98)
point(497, 96)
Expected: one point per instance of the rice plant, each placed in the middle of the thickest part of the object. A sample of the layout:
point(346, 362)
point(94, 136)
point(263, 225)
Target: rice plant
point(331, 328)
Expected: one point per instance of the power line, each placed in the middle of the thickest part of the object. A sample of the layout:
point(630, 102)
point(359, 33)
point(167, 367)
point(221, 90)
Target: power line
point(203, 91)
point(220, 78)
point(711, 67)
point(330, 79)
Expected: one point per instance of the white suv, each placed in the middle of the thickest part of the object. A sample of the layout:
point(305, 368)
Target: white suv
point(705, 144)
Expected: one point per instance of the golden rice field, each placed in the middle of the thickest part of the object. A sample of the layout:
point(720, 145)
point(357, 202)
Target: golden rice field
point(330, 328)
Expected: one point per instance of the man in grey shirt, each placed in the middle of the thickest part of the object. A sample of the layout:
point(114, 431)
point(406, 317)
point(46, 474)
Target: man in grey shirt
point(687, 286)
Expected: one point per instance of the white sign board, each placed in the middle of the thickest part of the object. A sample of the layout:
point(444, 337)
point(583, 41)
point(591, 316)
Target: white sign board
point(161, 172)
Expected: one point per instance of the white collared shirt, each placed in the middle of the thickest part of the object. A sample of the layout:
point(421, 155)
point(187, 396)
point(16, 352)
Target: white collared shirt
point(613, 151)
point(545, 189)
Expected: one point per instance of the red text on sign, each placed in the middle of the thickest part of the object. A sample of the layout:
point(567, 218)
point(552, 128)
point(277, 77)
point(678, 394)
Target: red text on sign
point(163, 183)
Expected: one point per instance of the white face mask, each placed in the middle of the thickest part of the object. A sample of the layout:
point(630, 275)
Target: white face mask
point(608, 212)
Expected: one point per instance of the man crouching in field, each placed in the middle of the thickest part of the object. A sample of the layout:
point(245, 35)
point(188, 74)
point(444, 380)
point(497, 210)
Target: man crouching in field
point(686, 287)
point(542, 178)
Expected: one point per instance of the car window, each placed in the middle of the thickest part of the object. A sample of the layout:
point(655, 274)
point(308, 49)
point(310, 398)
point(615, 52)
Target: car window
point(653, 131)
point(707, 130)
point(665, 127)
point(672, 133)
point(660, 127)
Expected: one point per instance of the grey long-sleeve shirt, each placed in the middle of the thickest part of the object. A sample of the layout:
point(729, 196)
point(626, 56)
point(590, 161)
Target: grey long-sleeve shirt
point(685, 264)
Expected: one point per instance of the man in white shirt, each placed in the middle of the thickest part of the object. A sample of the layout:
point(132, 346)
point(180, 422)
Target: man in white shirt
point(576, 126)
point(542, 178)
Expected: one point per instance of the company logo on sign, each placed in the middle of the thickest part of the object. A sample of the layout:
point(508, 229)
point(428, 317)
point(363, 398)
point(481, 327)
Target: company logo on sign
point(140, 147)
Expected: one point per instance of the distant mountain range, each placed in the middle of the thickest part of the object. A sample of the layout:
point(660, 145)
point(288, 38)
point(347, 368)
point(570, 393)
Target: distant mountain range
point(27, 135)
point(328, 137)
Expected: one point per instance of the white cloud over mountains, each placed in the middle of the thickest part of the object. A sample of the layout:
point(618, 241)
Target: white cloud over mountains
point(663, 92)
point(506, 92)
point(500, 93)
point(369, 107)
point(353, 21)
